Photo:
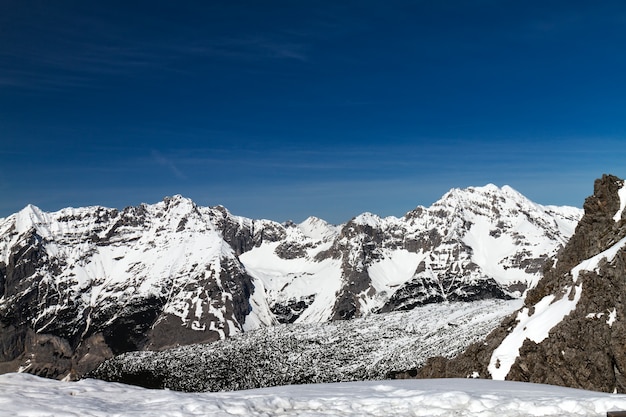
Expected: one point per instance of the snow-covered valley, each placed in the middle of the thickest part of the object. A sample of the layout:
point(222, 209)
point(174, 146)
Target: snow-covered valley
point(368, 348)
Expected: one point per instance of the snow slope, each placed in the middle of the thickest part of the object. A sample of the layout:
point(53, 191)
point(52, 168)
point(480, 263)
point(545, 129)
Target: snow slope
point(571, 330)
point(536, 327)
point(547, 313)
point(30, 396)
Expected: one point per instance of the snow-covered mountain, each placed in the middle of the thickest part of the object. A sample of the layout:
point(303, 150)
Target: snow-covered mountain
point(80, 285)
point(480, 242)
point(571, 330)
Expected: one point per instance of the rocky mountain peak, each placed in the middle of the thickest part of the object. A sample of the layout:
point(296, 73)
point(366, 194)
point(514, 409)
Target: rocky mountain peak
point(318, 229)
point(572, 328)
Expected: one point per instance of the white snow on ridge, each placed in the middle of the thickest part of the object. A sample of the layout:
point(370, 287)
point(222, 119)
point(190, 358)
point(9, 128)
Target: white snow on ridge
point(592, 263)
point(370, 219)
point(536, 327)
point(394, 269)
point(622, 202)
point(318, 229)
point(29, 396)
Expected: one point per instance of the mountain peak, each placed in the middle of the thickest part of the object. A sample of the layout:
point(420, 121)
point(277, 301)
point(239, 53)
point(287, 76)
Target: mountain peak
point(487, 188)
point(178, 200)
point(317, 229)
point(367, 219)
point(28, 217)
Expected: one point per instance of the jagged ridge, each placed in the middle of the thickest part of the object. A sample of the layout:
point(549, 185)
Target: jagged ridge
point(80, 285)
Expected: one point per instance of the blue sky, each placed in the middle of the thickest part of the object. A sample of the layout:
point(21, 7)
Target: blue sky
point(285, 109)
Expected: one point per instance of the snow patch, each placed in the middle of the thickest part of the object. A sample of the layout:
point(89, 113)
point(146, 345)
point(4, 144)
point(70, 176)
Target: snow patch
point(536, 327)
point(260, 314)
point(622, 202)
point(284, 279)
point(396, 268)
point(612, 317)
point(592, 263)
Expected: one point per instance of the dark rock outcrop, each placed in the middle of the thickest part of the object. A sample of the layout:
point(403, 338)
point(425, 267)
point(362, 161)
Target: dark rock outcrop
point(289, 311)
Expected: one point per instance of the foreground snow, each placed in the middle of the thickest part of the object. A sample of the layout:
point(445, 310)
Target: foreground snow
point(27, 396)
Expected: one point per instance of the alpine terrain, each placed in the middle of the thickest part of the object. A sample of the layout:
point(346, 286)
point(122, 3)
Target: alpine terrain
point(81, 285)
point(571, 330)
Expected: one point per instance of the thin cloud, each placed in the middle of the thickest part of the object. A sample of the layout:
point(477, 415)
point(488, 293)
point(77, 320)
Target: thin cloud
point(80, 64)
point(244, 48)
point(285, 50)
point(158, 158)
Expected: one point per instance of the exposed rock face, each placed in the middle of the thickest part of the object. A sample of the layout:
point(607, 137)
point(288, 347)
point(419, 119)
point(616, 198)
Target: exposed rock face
point(81, 285)
point(572, 329)
point(292, 309)
point(420, 291)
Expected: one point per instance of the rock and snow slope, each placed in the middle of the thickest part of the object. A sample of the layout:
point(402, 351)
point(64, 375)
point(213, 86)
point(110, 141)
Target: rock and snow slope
point(80, 285)
point(572, 328)
point(481, 242)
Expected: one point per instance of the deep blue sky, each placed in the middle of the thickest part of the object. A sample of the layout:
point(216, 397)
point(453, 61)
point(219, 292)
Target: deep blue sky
point(285, 109)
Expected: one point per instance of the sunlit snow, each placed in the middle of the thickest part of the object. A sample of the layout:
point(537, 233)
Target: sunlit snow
point(592, 263)
point(536, 327)
point(29, 396)
point(622, 202)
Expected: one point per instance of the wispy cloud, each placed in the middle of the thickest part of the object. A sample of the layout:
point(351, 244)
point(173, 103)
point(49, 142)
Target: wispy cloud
point(77, 50)
point(242, 48)
point(82, 64)
point(158, 158)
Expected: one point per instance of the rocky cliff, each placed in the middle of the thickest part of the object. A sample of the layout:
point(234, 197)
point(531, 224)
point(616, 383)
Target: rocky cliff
point(572, 328)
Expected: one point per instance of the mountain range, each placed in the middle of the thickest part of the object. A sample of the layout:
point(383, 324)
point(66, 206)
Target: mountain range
point(82, 285)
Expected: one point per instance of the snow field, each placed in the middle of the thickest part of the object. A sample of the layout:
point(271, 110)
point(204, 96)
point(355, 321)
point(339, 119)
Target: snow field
point(26, 395)
point(284, 279)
